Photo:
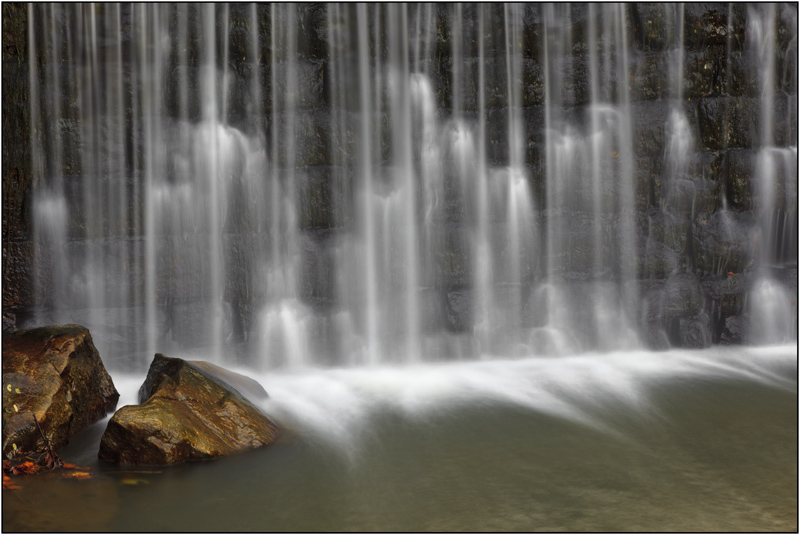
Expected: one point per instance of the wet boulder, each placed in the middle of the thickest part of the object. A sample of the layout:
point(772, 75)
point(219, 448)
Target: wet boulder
point(189, 410)
point(55, 375)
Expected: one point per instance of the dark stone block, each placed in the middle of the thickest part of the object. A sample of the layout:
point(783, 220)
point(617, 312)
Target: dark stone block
point(314, 142)
point(740, 170)
point(318, 274)
point(739, 78)
point(709, 24)
point(683, 296)
point(727, 122)
point(17, 171)
point(15, 32)
point(704, 73)
point(312, 31)
point(649, 76)
point(723, 241)
point(453, 257)
point(18, 276)
point(572, 72)
point(649, 122)
point(662, 242)
point(654, 25)
point(324, 197)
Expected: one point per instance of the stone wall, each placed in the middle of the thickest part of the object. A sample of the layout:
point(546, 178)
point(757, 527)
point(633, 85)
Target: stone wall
point(17, 175)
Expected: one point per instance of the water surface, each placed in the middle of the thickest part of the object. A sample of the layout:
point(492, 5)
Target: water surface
point(635, 441)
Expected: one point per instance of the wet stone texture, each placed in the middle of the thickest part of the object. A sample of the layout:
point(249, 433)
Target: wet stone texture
point(189, 410)
point(55, 375)
point(16, 169)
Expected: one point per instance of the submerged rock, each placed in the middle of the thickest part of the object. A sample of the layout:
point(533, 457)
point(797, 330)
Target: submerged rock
point(55, 375)
point(189, 410)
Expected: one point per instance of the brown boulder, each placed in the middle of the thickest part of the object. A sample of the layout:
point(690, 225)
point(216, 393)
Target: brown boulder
point(55, 375)
point(189, 410)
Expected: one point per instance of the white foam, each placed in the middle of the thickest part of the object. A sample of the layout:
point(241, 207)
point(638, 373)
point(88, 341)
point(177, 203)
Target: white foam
point(336, 406)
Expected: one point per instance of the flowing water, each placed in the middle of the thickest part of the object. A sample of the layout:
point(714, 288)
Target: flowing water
point(286, 211)
point(435, 280)
point(632, 441)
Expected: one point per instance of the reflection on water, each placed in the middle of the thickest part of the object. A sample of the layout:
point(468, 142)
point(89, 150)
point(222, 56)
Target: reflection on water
point(673, 441)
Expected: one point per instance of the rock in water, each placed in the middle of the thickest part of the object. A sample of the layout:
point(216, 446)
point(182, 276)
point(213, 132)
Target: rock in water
point(55, 375)
point(189, 410)
point(162, 366)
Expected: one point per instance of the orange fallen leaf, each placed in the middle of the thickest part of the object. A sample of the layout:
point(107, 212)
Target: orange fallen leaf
point(27, 467)
point(69, 466)
point(9, 484)
point(78, 475)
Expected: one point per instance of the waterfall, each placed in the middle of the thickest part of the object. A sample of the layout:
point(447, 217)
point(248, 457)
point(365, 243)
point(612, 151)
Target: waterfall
point(774, 312)
point(295, 185)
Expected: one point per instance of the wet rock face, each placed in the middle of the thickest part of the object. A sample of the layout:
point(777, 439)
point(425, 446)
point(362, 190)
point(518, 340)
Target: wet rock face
point(189, 410)
point(53, 374)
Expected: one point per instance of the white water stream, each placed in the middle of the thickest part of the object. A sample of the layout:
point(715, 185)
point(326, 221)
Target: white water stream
point(370, 221)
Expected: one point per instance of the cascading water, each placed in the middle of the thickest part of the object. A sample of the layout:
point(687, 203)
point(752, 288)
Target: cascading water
point(589, 190)
point(188, 199)
point(776, 168)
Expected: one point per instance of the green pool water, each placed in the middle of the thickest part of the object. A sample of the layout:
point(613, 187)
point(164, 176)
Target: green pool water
point(673, 441)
